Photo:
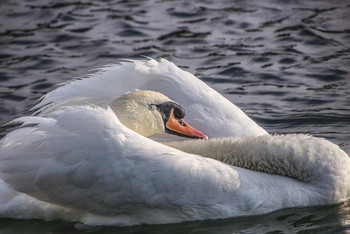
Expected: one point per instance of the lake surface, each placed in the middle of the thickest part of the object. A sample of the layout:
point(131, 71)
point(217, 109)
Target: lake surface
point(285, 63)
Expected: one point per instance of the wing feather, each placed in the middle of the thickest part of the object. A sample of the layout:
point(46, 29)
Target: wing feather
point(206, 109)
point(83, 157)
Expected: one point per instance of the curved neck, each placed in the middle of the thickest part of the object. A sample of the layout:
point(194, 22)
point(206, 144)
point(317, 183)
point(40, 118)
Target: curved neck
point(304, 158)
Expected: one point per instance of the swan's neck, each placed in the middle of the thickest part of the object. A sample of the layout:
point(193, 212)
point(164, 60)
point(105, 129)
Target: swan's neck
point(305, 158)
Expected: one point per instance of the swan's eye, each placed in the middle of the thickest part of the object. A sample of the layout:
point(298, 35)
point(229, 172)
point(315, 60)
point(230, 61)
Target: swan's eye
point(152, 107)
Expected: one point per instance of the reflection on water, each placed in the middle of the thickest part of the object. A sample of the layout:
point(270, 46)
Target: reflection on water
point(285, 63)
point(327, 219)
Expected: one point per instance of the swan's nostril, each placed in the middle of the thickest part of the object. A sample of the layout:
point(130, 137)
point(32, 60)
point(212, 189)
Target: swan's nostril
point(181, 123)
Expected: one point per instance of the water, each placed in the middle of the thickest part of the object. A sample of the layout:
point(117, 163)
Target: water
point(285, 63)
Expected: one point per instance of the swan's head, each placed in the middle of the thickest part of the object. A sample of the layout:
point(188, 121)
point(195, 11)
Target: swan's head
point(150, 113)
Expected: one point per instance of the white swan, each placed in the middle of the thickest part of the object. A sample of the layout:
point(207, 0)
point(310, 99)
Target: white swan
point(80, 163)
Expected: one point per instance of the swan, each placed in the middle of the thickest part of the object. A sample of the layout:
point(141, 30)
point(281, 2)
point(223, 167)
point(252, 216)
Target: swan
point(94, 162)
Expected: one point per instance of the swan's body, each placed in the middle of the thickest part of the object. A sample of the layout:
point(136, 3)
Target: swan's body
point(81, 163)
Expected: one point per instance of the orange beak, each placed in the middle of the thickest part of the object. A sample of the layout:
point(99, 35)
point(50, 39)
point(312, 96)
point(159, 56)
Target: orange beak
point(180, 127)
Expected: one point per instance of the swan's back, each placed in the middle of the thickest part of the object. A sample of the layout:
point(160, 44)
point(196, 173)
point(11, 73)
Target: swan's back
point(207, 110)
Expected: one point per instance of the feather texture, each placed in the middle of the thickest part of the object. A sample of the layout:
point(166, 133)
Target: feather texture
point(206, 109)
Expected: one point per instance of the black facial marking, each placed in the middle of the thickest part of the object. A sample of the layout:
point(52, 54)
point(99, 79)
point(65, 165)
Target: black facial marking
point(179, 113)
point(165, 109)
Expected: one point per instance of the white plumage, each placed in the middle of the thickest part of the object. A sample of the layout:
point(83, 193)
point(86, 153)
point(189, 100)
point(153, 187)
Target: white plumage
point(76, 161)
point(206, 109)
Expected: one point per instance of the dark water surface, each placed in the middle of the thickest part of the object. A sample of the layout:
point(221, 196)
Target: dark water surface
point(285, 63)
